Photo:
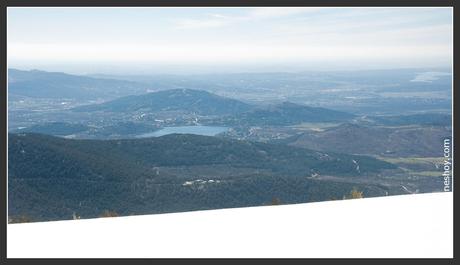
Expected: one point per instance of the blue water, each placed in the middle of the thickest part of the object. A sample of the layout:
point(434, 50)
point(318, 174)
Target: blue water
point(200, 130)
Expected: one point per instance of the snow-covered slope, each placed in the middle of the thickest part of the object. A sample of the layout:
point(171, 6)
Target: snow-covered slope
point(398, 226)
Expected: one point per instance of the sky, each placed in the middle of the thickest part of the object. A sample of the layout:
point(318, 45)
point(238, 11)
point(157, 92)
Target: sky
point(169, 40)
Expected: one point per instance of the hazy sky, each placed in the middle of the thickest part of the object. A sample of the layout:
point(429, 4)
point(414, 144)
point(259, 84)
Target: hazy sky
point(105, 39)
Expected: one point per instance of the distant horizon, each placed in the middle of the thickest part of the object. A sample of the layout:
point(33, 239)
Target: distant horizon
point(203, 40)
point(141, 73)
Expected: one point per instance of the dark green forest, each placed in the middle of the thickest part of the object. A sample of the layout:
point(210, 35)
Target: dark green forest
point(53, 178)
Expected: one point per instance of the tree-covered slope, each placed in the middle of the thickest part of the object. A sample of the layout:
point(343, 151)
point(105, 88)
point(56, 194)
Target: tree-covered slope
point(50, 178)
point(186, 100)
point(288, 113)
point(421, 141)
point(54, 128)
point(182, 150)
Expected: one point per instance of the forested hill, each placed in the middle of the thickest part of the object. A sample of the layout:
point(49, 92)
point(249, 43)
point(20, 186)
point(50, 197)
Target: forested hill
point(421, 141)
point(45, 152)
point(51, 177)
point(186, 100)
point(288, 113)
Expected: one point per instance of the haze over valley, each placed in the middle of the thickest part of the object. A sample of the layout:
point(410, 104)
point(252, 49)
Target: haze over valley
point(204, 142)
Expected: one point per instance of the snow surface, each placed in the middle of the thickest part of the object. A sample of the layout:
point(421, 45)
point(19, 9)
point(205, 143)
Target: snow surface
point(419, 225)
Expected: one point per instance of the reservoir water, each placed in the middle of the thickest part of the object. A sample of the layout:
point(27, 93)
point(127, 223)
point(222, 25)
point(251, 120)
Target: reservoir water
point(200, 130)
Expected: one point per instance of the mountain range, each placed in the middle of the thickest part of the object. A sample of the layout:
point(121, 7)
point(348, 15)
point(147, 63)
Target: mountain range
point(418, 141)
point(41, 84)
point(186, 100)
point(204, 103)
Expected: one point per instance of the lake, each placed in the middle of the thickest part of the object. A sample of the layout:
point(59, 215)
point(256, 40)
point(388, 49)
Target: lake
point(200, 130)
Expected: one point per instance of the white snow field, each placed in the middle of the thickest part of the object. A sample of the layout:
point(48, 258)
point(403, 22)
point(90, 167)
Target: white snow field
point(412, 226)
